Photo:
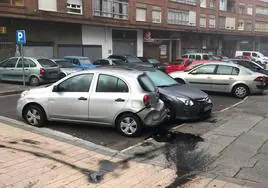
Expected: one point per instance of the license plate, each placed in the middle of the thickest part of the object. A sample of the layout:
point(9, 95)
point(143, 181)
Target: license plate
point(207, 108)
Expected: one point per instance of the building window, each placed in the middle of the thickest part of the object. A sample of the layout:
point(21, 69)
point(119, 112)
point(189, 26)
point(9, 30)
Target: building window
point(262, 11)
point(156, 15)
point(190, 2)
point(141, 14)
point(240, 25)
point(261, 26)
point(223, 5)
point(212, 22)
point(250, 10)
point(47, 5)
point(248, 26)
point(179, 17)
point(242, 9)
point(5, 2)
point(111, 9)
point(203, 3)
point(203, 21)
point(222, 21)
point(75, 6)
point(212, 4)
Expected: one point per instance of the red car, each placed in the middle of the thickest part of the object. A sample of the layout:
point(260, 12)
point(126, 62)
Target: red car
point(183, 64)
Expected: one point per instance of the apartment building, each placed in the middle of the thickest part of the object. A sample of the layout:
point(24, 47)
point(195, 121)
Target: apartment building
point(163, 29)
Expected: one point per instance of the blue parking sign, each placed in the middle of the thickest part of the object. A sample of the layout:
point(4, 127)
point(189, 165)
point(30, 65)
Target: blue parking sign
point(20, 37)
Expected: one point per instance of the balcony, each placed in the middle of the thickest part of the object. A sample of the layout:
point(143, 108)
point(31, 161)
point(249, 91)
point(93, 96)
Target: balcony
point(189, 2)
point(111, 9)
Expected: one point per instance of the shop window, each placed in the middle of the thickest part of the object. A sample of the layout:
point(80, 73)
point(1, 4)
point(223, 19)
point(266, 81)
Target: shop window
point(141, 13)
point(75, 6)
point(156, 15)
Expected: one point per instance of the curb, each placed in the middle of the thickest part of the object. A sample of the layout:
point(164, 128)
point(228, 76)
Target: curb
point(11, 92)
point(63, 137)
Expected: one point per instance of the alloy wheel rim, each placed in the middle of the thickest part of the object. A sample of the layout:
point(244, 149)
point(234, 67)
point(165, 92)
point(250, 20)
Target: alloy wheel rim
point(240, 91)
point(34, 80)
point(33, 117)
point(128, 126)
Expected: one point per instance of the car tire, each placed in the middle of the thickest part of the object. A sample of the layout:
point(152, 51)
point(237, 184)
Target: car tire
point(240, 91)
point(180, 81)
point(34, 115)
point(34, 81)
point(171, 115)
point(129, 125)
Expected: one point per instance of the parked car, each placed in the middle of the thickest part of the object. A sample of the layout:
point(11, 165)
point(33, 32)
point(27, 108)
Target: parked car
point(80, 62)
point(66, 67)
point(121, 98)
point(258, 57)
point(219, 57)
point(126, 58)
point(253, 66)
point(179, 65)
point(197, 56)
point(104, 62)
point(36, 70)
point(223, 77)
point(182, 101)
point(155, 63)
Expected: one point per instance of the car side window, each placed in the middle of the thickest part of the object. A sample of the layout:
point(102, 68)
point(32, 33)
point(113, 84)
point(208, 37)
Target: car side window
point(79, 83)
point(205, 57)
point(11, 63)
point(198, 57)
point(207, 69)
point(27, 63)
point(191, 56)
point(254, 55)
point(227, 70)
point(184, 56)
point(104, 62)
point(107, 84)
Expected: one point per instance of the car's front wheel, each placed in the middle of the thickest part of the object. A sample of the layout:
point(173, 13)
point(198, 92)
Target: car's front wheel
point(129, 125)
point(34, 115)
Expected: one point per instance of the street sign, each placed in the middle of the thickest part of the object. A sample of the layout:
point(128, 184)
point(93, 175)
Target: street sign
point(20, 37)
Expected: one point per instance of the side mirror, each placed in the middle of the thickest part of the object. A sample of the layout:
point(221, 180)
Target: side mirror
point(55, 89)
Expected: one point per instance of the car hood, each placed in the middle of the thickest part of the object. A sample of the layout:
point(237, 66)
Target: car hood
point(42, 90)
point(183, 90)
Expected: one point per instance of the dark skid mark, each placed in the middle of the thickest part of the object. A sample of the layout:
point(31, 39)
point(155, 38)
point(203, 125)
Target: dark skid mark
point(145, 144)
point(13, 142)
point(29, 141)
point(2, 146)
point(58, 152)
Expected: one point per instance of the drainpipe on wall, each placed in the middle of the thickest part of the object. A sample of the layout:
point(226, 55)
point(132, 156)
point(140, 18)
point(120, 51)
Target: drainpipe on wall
point(170, 51)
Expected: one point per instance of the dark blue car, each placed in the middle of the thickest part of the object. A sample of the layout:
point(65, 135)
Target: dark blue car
point(80, 62)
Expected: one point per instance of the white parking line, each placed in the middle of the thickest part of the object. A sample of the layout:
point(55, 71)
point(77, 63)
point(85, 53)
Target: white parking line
point(234, 105)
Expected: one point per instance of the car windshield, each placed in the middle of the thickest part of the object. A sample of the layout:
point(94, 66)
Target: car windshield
point(178, 61)
point(133, 59)
point(153, 61)
point(191, 68)
point(47, 63)
point(84, 61)
point(161, 79)
point(64, 64)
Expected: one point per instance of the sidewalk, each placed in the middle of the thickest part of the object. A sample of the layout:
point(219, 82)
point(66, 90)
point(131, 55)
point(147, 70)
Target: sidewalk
point(29, 160)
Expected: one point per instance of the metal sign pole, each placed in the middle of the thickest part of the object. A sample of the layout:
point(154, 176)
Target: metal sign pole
point(22, 59)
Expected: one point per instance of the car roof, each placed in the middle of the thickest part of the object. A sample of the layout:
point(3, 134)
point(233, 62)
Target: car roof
point(59, 60)
point(196, 54)
point(76, 57)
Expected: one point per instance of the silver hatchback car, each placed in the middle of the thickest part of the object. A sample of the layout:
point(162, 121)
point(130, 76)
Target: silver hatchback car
point(123, 98)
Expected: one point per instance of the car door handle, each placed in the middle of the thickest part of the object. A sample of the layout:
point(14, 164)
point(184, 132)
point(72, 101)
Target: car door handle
point(82, 98)
point(119, 100)
point(230, 78)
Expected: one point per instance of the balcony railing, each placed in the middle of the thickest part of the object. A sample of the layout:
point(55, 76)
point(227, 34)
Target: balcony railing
point(111, 9)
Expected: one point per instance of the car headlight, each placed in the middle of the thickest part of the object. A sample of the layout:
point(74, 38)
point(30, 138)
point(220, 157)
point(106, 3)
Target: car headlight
point(24, 93)
point(187, 102)
point(209, 100)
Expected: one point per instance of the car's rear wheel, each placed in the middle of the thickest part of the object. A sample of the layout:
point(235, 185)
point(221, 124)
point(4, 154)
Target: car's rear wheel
point(34, 115)
point(171, 115)
point(240, 91)
point(129, 125)
point(34, 81)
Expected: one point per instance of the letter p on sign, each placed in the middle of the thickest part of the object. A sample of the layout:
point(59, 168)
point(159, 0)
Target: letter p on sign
point(20, 37)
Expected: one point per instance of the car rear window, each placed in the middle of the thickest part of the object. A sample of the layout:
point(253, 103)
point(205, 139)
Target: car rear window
point(47, 63)
point(146, 84)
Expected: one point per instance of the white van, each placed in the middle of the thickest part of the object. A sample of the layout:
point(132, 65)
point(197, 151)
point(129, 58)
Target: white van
point(197, 56)
point(258, 57)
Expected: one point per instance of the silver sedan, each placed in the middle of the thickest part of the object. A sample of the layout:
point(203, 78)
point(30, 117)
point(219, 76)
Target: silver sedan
point(223, 77)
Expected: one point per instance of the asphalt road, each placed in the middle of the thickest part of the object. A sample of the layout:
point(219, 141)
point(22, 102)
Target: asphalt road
point(100, 135)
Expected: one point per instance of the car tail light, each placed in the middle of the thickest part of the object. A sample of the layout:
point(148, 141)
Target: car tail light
point(260, 79)
point(146, 101)
point(42, 72)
